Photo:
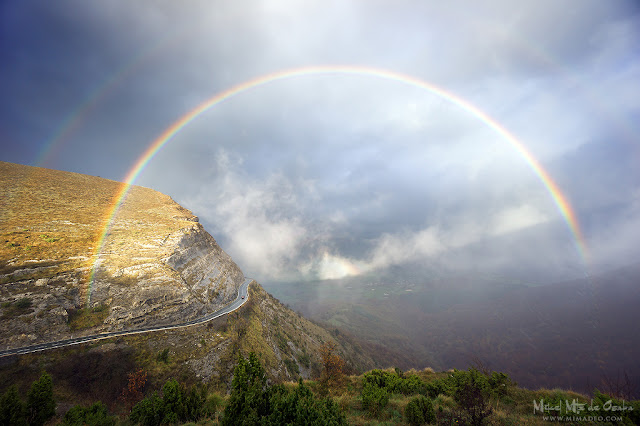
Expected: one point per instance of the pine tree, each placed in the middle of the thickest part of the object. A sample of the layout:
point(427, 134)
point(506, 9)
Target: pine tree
point(12, 409)
point(41, 405)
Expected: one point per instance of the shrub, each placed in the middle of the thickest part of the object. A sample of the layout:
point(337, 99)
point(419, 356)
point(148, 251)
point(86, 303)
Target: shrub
point(163, 356)
point(23, 303)
point(499, 383)
point(253, 402)
point(248, 399)
point(292, 366)
point(305, 360)
point(435, 388)
point(471, 396)
point(176, 405)
point(212, 405)
point(630, 416)
point(95, 415)
point(148, 412)
point(419, 411)
point(301, 407)
point(374, 398)
point(396, 382)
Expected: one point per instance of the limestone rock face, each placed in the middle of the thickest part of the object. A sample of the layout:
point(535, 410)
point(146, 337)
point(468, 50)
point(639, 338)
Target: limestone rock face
point(185, 277)
point(74, 261)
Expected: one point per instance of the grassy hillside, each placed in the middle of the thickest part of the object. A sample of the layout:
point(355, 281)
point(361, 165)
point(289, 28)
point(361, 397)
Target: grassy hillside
point(53, 219)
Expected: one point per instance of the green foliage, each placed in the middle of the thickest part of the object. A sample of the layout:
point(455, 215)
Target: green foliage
point(419, 411)
point(305, 359)
point(395, 382)
point(81, 319)
point(41, 405)
point(211, 406)
point(292, 366)
point(17, 308)
point(177, 404)
point(163, 356)
point(499, 383)
point(374, 398)
point(435, 388)
point(94, 415)
point(629, 416)
point(13, 410)
point(253, 402)
point(148, 412)
point(248, 401)
point(300, 407)
point(23, 303)
point(471, 394)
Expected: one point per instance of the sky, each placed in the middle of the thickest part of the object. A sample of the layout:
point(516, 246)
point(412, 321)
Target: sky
point(397, 133)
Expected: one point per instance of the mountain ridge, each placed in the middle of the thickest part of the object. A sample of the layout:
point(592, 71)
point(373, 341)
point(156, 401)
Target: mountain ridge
point(158, 265)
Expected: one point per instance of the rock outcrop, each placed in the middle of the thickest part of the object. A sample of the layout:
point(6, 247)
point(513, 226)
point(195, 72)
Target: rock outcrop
point(71, 264)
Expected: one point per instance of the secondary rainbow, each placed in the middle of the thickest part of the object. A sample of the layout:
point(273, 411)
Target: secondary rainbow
point(561, 202)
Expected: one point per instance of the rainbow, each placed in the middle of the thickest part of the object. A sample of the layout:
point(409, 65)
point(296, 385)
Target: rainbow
point(74, 119)
point(560, 200)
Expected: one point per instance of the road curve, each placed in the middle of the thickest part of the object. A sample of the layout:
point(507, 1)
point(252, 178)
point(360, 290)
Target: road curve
point(243, 296)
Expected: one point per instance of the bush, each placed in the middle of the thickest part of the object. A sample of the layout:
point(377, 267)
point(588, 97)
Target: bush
point(301, 407)
point(163, 356)
point(176, 405)
point(253, 402)
point(419, 411)
point(292, 366)
point(471, 395)
point(629, 416)
point(212, 405)
point(148, 412)
point(23, 303)
point(95, 415)
point(248, 398)
point(396, 382)
point(374, 398)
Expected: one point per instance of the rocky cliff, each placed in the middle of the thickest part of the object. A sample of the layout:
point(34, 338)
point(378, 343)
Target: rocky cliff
point(157, 264)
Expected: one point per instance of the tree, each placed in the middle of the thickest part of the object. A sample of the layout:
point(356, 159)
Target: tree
point(248, 401)
point(13, 410)
point(253, 401)
point(41, 405)
point(332, 365)
point(149, 411)
point(133, 392)
point(472, 397)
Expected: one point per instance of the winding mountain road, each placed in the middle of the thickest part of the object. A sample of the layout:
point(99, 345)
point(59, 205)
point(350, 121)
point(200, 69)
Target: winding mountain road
point(243, 296)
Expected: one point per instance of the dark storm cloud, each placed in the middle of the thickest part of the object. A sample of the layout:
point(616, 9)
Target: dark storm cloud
point(324, 175)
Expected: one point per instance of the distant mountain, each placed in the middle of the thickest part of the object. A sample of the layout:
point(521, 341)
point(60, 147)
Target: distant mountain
point(157, 266)
point(572, 334)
